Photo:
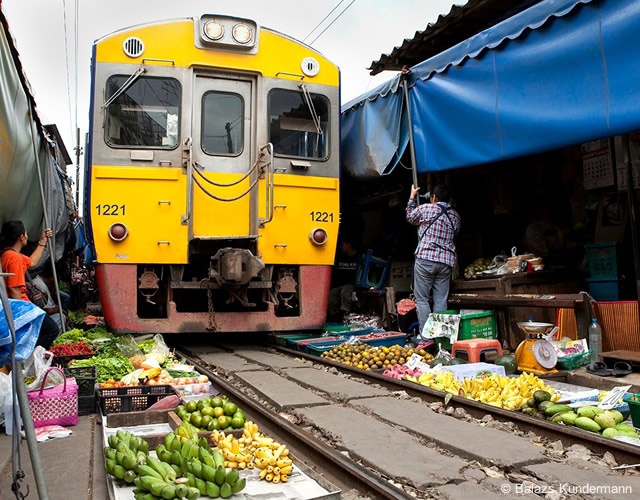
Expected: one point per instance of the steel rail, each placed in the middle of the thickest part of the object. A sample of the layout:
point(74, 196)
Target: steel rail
point(301, 443)
point(623, 452)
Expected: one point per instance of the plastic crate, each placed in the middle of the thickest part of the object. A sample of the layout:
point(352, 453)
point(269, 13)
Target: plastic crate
point(603, 290)
point(290, 340)
point(135, 398)
point(602, 260)
point(318, 347)
point(574, 361)
point(85, 378)
point(387, 341)
point(336, 327)
point(86, 405)
point(301, 345)
point(480, 325)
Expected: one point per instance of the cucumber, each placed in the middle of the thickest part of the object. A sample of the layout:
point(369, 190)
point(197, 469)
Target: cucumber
point(553, 409)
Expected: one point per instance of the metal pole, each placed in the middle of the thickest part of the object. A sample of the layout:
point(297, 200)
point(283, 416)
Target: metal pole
point(632, 211)
point(20, 390)
point(78, 153)
point(405, 90)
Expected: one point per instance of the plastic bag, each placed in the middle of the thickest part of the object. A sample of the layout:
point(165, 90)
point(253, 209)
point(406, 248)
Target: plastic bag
point(159, 351)
point(128, 346)
point(441, 325)
point(35, 368)
point(6, 394)
point(442, 354)
point(27, 319)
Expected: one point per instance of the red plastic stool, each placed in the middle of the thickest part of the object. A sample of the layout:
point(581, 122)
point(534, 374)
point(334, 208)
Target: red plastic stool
point(476, 350)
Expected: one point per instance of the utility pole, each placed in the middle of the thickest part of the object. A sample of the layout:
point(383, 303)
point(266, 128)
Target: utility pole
point(78, 154)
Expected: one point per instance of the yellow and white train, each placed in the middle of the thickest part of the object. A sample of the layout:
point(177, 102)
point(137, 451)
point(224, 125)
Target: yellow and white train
point(212, 177)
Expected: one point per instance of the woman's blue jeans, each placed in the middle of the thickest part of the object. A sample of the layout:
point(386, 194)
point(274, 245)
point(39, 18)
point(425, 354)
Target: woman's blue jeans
point(430, 277)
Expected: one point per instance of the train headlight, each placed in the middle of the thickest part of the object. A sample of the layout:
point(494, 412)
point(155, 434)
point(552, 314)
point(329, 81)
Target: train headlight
point(318, 236)
point(118, 231)
point(242, 33)
point(213, 30)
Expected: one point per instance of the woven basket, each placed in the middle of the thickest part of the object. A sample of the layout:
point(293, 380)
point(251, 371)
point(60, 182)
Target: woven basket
point(620, 325)
point(56, 405)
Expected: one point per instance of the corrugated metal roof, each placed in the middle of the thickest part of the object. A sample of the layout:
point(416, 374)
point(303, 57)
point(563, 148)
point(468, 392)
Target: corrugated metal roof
point(460, 23)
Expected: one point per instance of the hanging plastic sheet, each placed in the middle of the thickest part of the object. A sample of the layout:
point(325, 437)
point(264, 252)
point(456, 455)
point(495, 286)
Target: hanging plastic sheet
point(559, 73)
point(27, 319)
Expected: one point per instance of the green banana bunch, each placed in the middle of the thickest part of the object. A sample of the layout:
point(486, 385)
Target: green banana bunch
point(159, 480)
point(123, 453)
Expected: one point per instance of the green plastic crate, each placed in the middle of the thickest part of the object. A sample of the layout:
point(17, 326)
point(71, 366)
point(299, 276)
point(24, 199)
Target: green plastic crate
point(290, 340)
point(480, 325)
point(574, 361)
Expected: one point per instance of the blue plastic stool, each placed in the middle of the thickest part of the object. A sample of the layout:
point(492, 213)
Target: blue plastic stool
point(372, 272)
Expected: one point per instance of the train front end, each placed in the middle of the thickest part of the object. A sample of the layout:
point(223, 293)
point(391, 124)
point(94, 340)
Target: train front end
point(212, 183)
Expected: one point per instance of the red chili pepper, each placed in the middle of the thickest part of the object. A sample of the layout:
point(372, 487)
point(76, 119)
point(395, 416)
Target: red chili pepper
point(72, 349)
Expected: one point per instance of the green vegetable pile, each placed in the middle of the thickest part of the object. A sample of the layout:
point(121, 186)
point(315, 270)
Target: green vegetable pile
point(108, 366)
point(146, 345)
point(77, 335)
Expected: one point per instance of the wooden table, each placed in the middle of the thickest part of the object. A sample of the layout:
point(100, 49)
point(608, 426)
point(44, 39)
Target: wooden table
point(506, 303)
point(631, 357)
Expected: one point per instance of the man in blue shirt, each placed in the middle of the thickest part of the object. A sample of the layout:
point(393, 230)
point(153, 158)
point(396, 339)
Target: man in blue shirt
point(435, 256)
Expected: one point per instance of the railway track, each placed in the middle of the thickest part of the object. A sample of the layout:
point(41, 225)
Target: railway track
point(351, 470)
point(622, 452)
point(323, 459)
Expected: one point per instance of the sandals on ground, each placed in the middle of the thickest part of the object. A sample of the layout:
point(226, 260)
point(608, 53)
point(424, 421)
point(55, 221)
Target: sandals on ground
point(621, 368)
point(599, 368)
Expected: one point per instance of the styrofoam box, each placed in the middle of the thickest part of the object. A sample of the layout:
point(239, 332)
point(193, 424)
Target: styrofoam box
point(473, 370)
point(193, 389)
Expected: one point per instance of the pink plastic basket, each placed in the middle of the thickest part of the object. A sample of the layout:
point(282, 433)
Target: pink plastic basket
point(56, 405)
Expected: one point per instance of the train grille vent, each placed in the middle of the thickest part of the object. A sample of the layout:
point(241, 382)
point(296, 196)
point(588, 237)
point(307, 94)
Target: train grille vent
point(133, 46)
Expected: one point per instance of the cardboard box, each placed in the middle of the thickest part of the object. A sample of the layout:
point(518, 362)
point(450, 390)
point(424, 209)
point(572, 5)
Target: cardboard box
point(152, 426)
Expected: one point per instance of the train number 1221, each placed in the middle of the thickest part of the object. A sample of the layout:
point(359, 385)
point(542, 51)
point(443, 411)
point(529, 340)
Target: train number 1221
point(107, 209)
point(321, 216)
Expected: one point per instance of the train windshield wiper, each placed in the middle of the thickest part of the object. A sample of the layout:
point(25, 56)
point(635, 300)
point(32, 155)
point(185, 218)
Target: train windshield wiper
point(125, 86)
point(312, 110)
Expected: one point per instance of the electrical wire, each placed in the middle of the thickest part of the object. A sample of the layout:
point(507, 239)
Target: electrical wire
point(323, 20)
point(66, 59)
point(331, 23)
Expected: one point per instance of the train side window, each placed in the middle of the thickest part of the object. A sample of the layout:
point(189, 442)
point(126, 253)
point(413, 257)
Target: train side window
point(222, 123)
point(144, 114)
point(299, 124)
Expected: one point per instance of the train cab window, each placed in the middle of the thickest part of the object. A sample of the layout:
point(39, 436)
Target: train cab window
point(222, 123)
point(142, 113)
point(299, 123)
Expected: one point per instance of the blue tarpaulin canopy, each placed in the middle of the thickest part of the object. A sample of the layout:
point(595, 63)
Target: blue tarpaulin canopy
point(559, 73)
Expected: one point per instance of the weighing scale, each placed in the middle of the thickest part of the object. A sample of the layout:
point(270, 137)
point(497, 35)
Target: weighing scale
point(536, 354)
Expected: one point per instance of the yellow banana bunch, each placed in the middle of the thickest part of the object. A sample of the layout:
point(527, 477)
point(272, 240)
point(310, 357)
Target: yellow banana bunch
point(253, 449)
point(274, 464)
point(497, 390)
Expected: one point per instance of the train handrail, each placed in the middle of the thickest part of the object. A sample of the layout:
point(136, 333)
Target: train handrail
point(186, 219)
point(269, 185)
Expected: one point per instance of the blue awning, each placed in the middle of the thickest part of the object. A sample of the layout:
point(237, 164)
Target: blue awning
point(559, 73)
